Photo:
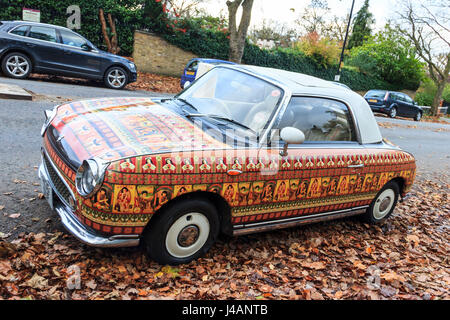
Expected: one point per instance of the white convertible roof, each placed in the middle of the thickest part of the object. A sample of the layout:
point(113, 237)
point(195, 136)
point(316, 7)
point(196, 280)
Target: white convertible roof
point(304, 85)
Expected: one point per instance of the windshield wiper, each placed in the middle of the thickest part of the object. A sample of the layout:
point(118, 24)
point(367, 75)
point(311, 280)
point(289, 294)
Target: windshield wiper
point(180, 99)
point(216, 116)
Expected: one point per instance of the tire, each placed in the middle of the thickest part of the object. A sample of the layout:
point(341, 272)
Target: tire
point(393, 112)
point(182, 232)
point(418, 116)
point(383, 205)
point(17, 65)
point(116, 78)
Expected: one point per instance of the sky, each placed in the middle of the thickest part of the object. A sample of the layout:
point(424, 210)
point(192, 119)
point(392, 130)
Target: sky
point(279, 10)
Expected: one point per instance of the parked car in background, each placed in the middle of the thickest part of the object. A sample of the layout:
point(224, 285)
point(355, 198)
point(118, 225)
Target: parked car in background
point(196, 67)
point(27, 47)
point(393, 104)
point(244, 149)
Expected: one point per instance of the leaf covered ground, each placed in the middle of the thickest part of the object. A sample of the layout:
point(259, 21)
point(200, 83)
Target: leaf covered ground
point(407, 257)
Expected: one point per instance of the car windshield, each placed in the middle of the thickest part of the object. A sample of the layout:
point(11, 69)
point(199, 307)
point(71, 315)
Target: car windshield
point(224, 93)
point(375, 94)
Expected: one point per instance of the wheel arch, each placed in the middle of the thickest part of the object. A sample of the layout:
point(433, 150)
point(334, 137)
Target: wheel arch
point(19, 50)
point(117, 64)
point(221, 205)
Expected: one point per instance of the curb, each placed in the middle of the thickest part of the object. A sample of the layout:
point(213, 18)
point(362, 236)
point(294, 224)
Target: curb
point(10, 91)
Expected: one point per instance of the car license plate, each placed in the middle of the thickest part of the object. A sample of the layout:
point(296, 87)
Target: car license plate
point(373, 100)
point(190, 73)
point(47, 191)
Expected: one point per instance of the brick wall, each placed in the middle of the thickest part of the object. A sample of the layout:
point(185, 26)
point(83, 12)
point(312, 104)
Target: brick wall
point(155, 55)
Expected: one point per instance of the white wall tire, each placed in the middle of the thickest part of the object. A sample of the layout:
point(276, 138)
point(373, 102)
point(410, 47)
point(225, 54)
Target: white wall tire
point(187, 235)
point(181, 232)
point(383, 205)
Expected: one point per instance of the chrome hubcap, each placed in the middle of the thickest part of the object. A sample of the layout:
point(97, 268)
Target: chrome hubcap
point(187, 235)
point(17, 65)
point(383, 204)
point(393, 113)
point(116, 78)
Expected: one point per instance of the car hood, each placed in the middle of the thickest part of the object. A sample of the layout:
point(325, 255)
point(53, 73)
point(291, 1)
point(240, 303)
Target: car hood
point(117, 128)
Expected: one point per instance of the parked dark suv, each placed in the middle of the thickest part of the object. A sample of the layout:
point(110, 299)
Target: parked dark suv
point(393, 104)
point(27, 47)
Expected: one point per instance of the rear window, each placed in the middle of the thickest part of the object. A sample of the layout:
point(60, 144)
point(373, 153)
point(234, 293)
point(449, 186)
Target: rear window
point(20, 31)
point(376, 94)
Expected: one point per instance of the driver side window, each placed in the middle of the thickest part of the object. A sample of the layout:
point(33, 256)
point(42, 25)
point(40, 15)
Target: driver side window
point(320, 119)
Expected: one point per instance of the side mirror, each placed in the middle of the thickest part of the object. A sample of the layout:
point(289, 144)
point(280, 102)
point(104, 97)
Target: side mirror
point(291, 135)
point(86, 47)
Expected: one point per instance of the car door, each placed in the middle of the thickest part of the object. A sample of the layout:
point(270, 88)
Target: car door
point(410, 109)
point(79, 58)
point(44, 44)
point(325, 174)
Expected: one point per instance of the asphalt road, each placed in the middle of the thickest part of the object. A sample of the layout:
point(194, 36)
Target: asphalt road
point(20, 142)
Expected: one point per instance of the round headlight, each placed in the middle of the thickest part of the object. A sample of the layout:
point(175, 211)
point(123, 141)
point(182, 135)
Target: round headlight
point(89, 178)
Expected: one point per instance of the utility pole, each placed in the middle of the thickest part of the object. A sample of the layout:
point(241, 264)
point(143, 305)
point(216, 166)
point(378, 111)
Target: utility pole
point(338, 76)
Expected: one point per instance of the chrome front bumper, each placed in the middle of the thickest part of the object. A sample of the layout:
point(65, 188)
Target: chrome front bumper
point(74, 226)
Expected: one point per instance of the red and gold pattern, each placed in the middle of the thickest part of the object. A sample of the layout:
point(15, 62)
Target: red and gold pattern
point(139, 180)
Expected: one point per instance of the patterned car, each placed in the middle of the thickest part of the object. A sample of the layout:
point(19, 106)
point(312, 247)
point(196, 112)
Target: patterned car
point(244, 149)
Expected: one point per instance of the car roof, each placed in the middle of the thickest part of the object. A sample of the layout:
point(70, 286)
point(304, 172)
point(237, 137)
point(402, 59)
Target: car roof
point(19, 22)
point(213, 61)
point(304, 85)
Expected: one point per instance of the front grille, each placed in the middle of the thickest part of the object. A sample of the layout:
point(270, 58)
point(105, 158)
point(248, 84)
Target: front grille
point(61, 189)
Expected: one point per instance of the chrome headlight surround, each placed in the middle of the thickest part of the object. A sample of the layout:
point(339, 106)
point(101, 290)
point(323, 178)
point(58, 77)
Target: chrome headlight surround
point(49, 116)
point(89, 177)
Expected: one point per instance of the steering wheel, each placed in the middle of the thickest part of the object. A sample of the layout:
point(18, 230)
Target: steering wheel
point(255, 116)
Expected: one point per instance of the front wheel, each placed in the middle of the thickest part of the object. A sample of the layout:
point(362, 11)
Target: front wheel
point(116, 78)
point(383, 205)
point(418, 116)
point(182, 232)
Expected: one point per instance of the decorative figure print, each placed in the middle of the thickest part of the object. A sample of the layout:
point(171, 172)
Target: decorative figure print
point(123, 200)
point(293, 186)
point(143, 200)
point(179, 190)
point(281, 191)
point(343, 185)
point(244, 189)
point(314, 188)
point(148, 166)
point(102, 200)
point(230, 192)
point(127, 166)
point(221, 166)
point(256, 192)
point(302, 189)
point(267, 195)
point(161, 198)
point(333, 186)
point(204, 166)
point(187, 166)
point(236, 165)
point(169, 166)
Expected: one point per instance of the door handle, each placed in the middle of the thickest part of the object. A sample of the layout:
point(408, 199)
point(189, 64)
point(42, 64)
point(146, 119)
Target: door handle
point(361, 165)
point(67, 51)
point(31, 45)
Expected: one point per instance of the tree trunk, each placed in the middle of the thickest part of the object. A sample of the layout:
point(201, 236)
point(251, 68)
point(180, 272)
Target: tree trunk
point(437, 98)
point(238, 34)
point(111, 44)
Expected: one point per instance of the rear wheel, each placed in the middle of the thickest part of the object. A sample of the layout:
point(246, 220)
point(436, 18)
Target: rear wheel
point(184, 231)
point(16, 65)
point(383, 205)
point(393, 112)
point(116, 78)
point(418, 116)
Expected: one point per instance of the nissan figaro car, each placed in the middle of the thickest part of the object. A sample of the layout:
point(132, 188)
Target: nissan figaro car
point(243, 149)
